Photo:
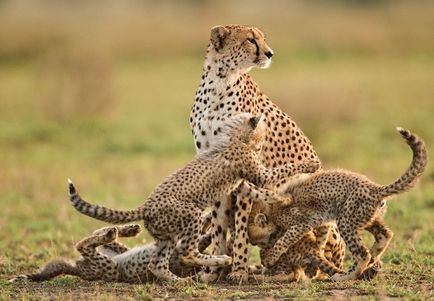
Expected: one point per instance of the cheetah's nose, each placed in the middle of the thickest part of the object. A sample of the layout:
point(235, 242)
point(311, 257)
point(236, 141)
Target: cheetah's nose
point(268, 54)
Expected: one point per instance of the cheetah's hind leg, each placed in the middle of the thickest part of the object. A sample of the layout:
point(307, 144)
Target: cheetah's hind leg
point(383, 235)
point(325, 265)
point(189, 247)
point(159, 263)
point(102, 266)
point(360, 253)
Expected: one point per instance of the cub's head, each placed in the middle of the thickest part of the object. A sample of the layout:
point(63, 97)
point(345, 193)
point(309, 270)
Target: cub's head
point(259, 227)
point(246, 130)
point(240, 47)
point(264, 218)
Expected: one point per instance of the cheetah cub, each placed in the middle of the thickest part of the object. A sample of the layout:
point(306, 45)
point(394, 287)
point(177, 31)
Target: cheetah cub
point(172, 213)
point(350, 199)
point(103, 257)
point(305, 259)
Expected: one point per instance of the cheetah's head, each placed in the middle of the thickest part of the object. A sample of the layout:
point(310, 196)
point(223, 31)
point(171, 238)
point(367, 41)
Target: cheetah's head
point(260, 230)
point(246, 130)
point(262, 221)
point(240, 47)
point(259, 226)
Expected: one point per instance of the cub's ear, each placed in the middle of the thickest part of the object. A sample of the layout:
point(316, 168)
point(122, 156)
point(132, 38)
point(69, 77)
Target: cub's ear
point(218, 36)
point(254, 121)
point(260, 220)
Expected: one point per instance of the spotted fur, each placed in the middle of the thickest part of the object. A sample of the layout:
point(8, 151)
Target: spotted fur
point(305, 259)
point(226, 89)
point(355, 202)
point(172, 213)
point(103, 257)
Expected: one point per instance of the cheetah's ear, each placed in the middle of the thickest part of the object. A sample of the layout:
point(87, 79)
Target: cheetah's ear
point(254, 121)
point(218, 35)
point(260, 219)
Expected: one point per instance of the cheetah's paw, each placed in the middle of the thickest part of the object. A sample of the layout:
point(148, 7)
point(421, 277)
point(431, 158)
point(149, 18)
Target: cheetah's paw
point(208, 277)
point(238, 277)
point(343, 276)
point(372, 271)
point(131, 230)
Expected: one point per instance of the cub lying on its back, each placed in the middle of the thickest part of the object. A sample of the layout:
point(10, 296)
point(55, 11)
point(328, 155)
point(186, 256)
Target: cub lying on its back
point(355, 202)
point(172, 213)
point(103, 257)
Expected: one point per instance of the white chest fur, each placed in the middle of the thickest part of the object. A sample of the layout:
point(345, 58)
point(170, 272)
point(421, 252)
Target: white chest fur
point(216, 100)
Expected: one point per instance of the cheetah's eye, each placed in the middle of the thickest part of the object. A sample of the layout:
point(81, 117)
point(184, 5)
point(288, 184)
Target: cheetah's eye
point(253, 41)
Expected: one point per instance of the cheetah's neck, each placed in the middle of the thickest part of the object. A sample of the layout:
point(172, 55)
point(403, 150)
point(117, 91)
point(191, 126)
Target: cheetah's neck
point(222, 74)
point(224, 91)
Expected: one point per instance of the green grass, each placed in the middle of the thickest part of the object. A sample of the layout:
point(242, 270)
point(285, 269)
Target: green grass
point(116, 122)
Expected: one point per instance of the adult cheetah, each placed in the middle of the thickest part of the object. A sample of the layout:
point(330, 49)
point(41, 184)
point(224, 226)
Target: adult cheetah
point(226, 89)
point(172, 213)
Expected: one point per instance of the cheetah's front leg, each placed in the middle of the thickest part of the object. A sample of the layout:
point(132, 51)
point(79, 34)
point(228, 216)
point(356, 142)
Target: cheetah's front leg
point(246, 193)
point(242, 207)
point(294, 233)
point(115, 247)
point(219, 225)
point(240, 266)
point(189, 245)
point(217, 235)
point(273, 176)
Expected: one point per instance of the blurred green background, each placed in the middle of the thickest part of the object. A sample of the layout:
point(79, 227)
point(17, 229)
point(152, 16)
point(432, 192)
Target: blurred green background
point(100, 91)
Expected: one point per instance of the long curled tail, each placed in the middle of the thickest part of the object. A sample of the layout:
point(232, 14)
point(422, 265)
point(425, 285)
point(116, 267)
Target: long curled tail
point(416, 168)
point(102, 213)
point(50, 270)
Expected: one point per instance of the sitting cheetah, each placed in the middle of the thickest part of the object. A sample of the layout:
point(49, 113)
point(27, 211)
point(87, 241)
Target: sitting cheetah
point(226, 89)
point(352, 200)
point(103, 257)
point(173, 210)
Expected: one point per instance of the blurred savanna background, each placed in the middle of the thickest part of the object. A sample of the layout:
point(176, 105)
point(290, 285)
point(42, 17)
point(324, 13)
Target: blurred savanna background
point(100, 92)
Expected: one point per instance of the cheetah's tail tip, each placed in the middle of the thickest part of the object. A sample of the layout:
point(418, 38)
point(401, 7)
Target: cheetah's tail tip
point(18, 278)
point(404, 132)
point(71, 187)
